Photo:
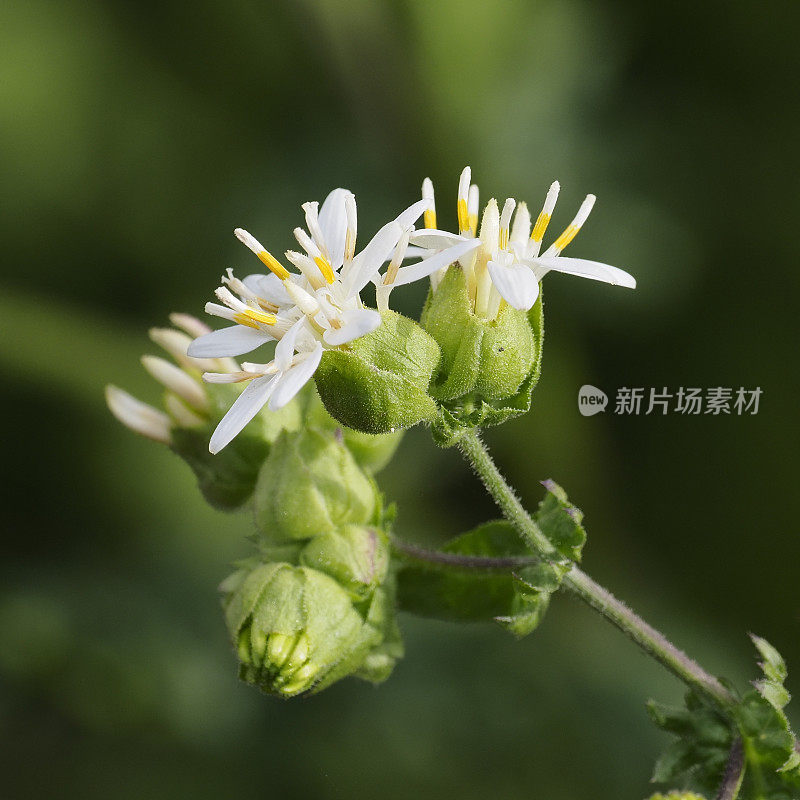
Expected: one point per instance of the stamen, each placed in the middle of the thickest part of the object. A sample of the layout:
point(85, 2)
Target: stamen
point(323, 265)
point(505, 221)
point(269, 261)
point(463, 197)
point(260, 316)
point(543, 219)
point(307, 267)
point(306, 302)
point(473, 208)
point(571, 231)
point(427, 194)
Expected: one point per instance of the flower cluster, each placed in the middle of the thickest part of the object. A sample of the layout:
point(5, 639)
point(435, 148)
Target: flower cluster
point(317, 308)
point(505, 262)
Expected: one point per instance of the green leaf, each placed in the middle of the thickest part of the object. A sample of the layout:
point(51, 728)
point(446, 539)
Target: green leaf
point(560, 521)
point(698, 757)
point(461, 593)
point(515, 595)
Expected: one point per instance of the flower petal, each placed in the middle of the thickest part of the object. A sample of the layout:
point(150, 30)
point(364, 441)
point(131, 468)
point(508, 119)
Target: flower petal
point(516, 283)
point(370, 259)
point(233, 341)
point(587, 269)
point(413, 212)
point(333, 223)
point(247, 405)
point(358, 322)
point(295, 378)
point(414, 272)
point(435, 240)
point(269, 288)
point(284, 350)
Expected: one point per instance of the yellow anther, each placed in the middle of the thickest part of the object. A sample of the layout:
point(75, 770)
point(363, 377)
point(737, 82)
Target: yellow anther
point(540, 227)
point(325, 268)
point(273, 265)
point(473, 223)
point(503, 238)
point(569, 234)
point(430, 218)
point(463, 216)
point(251, 318)
point(243, 319)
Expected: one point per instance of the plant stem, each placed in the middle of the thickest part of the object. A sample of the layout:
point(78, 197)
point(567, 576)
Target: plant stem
point(734, 773)
point(459, 561)
point(579, 583)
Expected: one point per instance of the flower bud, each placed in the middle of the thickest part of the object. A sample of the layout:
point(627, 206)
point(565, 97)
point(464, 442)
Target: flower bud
point(379, 383)
point(355, 556)
point(490, 358)
point(309, 485)
point(372, 451)
point(294, 628)
point(488, 367)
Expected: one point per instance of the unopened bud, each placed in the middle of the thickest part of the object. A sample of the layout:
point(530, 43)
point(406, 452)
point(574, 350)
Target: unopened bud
point(309, 485)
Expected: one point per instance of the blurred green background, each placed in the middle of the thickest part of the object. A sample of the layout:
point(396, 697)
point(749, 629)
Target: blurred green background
point(135, 136)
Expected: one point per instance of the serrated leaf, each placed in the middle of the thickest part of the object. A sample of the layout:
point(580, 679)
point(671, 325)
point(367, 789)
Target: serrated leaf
point(560, 521)
point(773, 665)
point(698, 758)
point(773, 692)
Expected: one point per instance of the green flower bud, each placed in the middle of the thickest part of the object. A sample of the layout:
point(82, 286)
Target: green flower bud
point(488, 366)
point(296, 629)
point(310, 484)
point(372, 451)
point(356, 557)
point(379, 383)
point(228, 478)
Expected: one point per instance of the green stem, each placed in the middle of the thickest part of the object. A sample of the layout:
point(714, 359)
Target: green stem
point(579, 583)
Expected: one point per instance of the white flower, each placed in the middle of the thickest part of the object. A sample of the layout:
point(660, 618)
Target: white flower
point(319, 308)
point(297, 357)
point(506, 263)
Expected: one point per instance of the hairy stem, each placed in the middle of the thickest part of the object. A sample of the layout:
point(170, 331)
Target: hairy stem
point(460, 561)
point(734, 773)
point(579, 583)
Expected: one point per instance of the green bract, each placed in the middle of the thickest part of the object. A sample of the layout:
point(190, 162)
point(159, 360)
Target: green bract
point(310, 484)
point(379, 383)
point(488, 367)
point(356, 557)
point(297, 629)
